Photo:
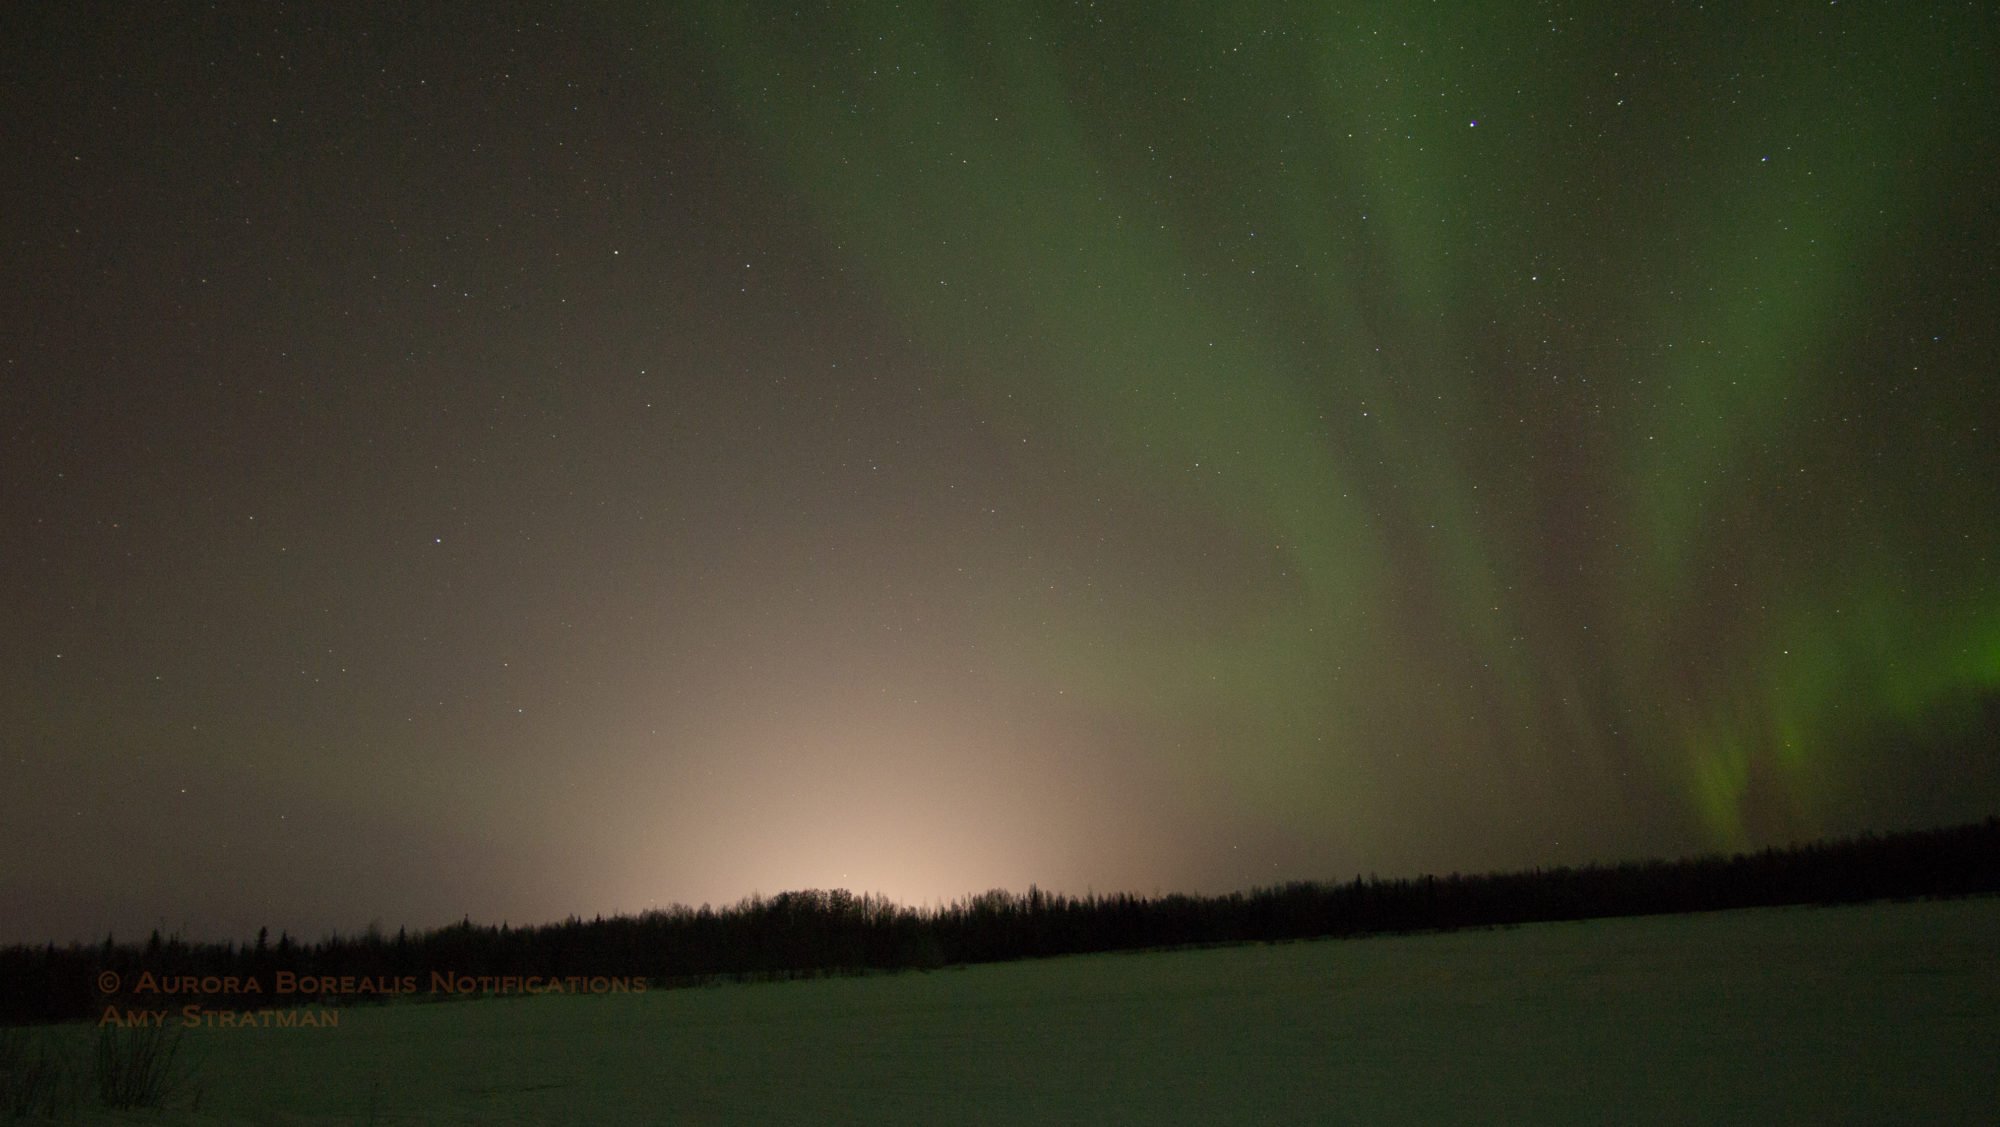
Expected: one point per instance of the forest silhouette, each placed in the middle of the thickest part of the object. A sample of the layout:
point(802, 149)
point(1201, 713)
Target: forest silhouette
point(812, 933)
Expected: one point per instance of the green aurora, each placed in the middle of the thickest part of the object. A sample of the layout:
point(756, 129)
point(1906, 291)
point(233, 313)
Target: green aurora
point(513, 462)
point(1582, 393)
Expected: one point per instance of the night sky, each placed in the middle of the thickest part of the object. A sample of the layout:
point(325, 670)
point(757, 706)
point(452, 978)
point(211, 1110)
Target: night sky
point(510, 461)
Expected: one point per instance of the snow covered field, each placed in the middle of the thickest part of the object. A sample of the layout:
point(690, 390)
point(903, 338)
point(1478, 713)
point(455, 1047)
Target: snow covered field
point(1884, 1013)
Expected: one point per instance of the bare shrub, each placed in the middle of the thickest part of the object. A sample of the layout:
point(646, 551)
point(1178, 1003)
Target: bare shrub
point(140, 1067)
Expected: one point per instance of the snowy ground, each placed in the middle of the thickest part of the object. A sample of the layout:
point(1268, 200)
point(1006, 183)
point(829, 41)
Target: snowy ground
point(1877, 1014)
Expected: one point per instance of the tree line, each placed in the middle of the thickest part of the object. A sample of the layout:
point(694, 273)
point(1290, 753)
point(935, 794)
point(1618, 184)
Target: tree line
point(811, 933)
